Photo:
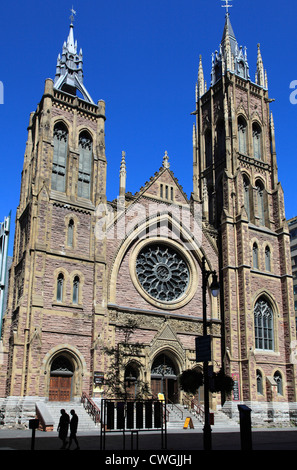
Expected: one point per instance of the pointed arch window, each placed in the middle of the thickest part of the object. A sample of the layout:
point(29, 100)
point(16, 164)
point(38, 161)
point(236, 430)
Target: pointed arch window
point(255, 256)
point(85, 165)
point(60, 157)
point(279, 382)
point(70, 233)
point(263, 318)
point(246, 195)
point(260, 202)
point(60, 286)
point(75, 291)
point(208, 148)
point(242, 136)
point(259, 383)
point(257, 141)
point(267, 259)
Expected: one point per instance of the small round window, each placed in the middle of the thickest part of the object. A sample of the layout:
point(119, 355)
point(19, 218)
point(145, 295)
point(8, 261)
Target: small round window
point(162, 272)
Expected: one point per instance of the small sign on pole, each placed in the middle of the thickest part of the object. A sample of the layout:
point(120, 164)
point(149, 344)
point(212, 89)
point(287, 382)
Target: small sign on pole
point(203, 348)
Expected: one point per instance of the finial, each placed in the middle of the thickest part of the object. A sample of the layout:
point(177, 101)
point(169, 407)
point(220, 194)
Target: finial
point(166, 163)
point(123, 163)
point(123, 178)
point(227, 5)
point(73, 12)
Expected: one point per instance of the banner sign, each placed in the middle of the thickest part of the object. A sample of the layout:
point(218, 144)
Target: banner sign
point(203, 348)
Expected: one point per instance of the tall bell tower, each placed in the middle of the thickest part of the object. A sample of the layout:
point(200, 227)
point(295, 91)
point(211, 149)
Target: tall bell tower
point(57, 276)
point(235, 178)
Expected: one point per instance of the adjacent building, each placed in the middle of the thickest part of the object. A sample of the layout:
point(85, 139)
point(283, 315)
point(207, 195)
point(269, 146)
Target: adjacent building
point(293, 232)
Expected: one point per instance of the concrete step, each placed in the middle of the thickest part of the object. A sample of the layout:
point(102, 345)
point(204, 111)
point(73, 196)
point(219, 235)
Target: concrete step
point(178, 415)
point(85, 422)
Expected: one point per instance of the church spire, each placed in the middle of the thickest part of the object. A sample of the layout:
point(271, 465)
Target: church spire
point(201, 81)
point(69, 71)
point(261, 75)
point(230, 56)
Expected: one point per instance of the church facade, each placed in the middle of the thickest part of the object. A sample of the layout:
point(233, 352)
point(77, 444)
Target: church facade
point(84, 268)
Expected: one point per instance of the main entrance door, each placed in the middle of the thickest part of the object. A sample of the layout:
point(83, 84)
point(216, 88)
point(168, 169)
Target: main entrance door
point(60, 388)
point(164, 378)
point(60, 379)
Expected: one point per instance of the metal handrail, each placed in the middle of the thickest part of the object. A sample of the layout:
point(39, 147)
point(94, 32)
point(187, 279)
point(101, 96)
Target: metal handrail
point(90, 407)
point(177, 408)
point(194, 406)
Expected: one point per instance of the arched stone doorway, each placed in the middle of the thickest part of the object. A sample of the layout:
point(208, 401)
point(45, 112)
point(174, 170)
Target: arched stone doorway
point(131, 380)
point(164, 378)
point(61, 378)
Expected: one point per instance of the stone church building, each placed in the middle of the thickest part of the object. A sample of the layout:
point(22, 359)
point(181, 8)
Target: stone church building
point(84, 267)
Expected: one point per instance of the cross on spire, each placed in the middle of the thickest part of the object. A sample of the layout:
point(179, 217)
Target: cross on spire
point(227, 5)
point(73, 12)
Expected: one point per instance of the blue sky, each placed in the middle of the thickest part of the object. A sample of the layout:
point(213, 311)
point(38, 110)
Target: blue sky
point(142, 58)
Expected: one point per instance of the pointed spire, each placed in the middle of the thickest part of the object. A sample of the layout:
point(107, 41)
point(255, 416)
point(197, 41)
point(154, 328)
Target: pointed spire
point(71, 45)
point(166, 163)
point(230, 57)
point(69, 71)
point(123, 174)
point(201, 83)
point(260, 69)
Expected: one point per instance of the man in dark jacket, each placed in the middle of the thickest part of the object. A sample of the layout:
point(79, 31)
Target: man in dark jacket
point(63, 427)
point(73, 429)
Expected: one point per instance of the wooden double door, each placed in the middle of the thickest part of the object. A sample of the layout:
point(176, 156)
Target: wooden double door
point(167, 386)
point(60, 388)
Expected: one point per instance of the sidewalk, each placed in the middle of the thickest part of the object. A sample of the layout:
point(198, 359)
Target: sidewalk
point(189, 440)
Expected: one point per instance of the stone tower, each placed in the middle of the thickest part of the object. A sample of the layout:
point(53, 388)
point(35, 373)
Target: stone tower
point(235, 178)
point(57, 268)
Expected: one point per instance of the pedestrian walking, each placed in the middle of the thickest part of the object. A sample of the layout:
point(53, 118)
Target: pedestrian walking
point(73, 429)
point(63, 427)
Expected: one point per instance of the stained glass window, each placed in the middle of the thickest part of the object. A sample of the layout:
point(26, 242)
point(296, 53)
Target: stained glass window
point(263, 315)
point(59, 158)
point(85, 166)
point(162, 272)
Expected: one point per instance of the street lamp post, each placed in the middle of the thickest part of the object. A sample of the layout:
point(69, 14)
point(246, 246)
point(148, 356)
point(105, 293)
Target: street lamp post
point(215, 291)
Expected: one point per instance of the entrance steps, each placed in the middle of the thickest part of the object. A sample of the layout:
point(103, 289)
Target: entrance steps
point(85, 422)
point(179, 413)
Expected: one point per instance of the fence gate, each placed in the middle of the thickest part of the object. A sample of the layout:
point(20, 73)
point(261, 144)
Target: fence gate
point(133, 417)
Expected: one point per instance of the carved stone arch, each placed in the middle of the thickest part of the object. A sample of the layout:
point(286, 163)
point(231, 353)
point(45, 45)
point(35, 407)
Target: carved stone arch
point(60, 119)
point(167, 360)
point(83, 129)
point(134, 372)
point(241, 113)
point(256, 119)
point(259, 178)
point(167, 340)
point(72, 366)
point(266, 295)
point(269, 297)
point(189, 246)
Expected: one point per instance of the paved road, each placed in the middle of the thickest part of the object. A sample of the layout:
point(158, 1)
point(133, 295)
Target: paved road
point(183, 441)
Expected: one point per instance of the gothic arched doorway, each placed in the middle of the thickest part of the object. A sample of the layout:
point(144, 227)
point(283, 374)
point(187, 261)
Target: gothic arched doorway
point(131, 380)
point(164, 378)
point(61, 379)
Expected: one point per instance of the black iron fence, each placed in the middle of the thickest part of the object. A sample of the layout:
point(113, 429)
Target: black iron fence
point(133, 417)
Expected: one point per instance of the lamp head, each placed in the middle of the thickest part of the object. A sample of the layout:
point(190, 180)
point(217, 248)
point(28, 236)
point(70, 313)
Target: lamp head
point(215, 286)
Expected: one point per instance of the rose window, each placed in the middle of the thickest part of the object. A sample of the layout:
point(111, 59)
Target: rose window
point(162, 272)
